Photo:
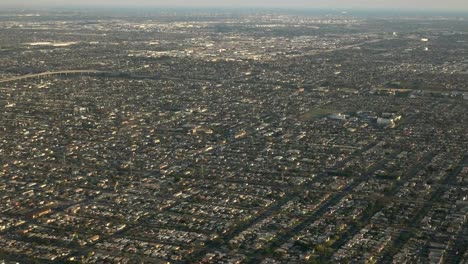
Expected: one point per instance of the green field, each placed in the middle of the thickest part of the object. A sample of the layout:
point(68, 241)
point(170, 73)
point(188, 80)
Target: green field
point(318, 112)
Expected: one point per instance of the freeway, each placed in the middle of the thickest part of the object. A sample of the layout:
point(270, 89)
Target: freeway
point(143, 77)
point(48, 73)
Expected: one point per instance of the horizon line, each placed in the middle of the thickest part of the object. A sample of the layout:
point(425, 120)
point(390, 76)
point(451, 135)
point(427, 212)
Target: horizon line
point(228, 7)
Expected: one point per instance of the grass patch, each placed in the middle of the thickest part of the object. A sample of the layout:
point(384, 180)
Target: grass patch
point(315, 113)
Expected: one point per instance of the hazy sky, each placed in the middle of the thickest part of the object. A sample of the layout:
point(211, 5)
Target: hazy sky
point(443, 5)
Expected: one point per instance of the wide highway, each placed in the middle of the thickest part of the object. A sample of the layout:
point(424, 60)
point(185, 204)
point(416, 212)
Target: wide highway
point(48, 73)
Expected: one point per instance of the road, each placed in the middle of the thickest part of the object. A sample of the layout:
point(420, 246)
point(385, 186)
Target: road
point(48, 73)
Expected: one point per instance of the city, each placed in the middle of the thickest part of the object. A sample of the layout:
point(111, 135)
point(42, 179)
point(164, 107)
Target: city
point(232, 137)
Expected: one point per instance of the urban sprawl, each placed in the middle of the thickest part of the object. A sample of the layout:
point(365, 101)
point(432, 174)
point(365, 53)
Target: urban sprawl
point(232, 137)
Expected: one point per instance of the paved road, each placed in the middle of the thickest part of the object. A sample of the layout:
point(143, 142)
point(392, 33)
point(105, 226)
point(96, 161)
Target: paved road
point(48, 73)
